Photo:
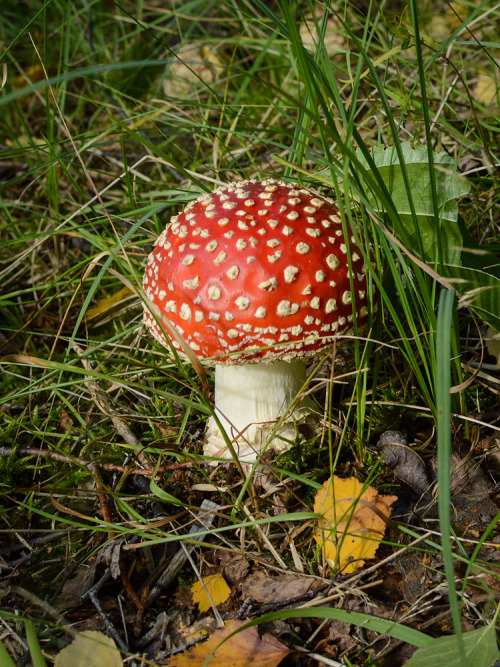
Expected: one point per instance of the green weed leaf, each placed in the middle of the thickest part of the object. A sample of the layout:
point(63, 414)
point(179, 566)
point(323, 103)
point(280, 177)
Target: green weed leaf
point(449, 186)
point(471, 268)
point(480, 648)
point(90, 649)
point(425, 236)
point(167, 497)
point(409, 185)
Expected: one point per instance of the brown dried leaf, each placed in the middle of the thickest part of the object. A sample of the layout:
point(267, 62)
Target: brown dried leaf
point(470, 493)
point(244, 649)
point(235, 569)
point(110, 555)
point(74, 588)
point(194, 64)
point(333, 39)
point(264, 589)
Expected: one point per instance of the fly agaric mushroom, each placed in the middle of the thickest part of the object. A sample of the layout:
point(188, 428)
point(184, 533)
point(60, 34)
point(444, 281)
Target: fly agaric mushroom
point(255, 277)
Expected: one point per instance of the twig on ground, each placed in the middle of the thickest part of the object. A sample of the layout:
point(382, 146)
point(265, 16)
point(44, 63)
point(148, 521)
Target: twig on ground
point(131, 592)
point(92, 595)
point(50, 537)
point(180, 557)
point(104, 405)
point(75, 460)
point(180, 649)
point(321, 659)
point(103, 497)
point(156, 632)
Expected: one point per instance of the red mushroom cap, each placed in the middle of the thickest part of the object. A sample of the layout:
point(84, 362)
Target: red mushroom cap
point(252, 265)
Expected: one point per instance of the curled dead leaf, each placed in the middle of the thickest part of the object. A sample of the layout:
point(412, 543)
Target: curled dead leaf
point(405, 462)
point(263, 588)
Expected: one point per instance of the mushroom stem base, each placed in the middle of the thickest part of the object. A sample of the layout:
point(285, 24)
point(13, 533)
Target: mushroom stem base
point(249, 401)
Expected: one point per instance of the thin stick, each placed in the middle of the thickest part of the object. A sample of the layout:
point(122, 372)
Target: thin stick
point(92, 594)
point(178, 561)
point(76, 461)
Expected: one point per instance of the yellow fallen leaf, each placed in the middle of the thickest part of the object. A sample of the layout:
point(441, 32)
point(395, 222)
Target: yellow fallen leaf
point(90, 649)
point(245, 649)
point(108, 302)
point(485, 90)
point(352, 523)
point(33, 73)
point(438, 28)
point(458, 12)
point(217, 588)
point(25, 141)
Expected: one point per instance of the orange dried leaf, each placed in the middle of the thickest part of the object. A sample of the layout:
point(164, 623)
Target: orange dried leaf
point(244, 649)
point(352, 525)
point(217, 589)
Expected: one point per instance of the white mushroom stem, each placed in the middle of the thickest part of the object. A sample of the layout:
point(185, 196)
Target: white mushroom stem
point(249, 401)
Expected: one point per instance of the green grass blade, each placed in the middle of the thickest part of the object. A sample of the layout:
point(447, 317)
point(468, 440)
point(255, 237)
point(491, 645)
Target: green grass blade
point(34, 644)
point(443, 399)
point(5, 659)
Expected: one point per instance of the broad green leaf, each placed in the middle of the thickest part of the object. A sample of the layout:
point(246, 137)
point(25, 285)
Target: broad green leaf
point(473, 270)
point(449, 186)
point(424, 233)
point(426, 238)
point(480, 648)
